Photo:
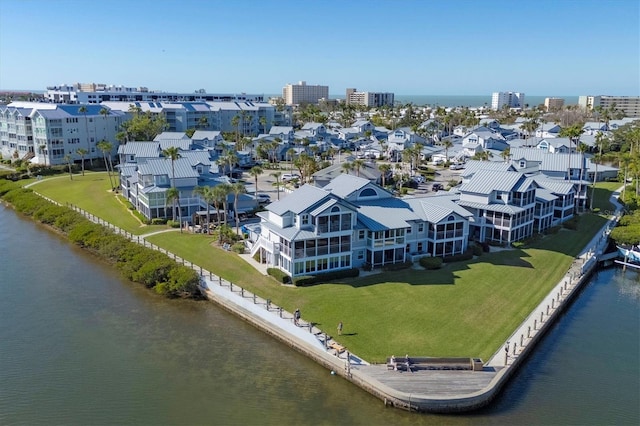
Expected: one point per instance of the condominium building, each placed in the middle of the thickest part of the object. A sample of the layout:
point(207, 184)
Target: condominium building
point(510, 99)
point(95, 93)
point(553, 104)
point(368, 99)
point(628, 105)
point(45, 133)
point(295, 94)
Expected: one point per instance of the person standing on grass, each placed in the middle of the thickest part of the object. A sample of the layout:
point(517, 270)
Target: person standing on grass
point(340, 328)
point(296, 317)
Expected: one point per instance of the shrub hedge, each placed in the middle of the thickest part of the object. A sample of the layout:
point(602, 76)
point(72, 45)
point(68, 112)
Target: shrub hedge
point(397, 266)
point(325, 277)
point(431, 262)
point(468, 254)
point(137, 263)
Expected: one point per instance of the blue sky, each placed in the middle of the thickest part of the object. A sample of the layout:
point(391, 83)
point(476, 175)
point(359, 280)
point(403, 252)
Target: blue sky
point(538, 47)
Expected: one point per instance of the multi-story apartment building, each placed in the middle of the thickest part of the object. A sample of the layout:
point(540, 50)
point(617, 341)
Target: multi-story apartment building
point(295, 94)
point(46, 133)
point(368, 99)
point(95, 93)
point(352, 222)
point(628, 105)
point(553, 104)
point(253, 117)
point(509, 99)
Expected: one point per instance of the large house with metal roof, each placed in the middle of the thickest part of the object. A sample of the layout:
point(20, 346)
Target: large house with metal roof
point(352, 222)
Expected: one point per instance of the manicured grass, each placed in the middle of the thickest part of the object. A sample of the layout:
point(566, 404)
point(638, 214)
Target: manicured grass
point(464, 309)
point(602, 194)
point(91, 193)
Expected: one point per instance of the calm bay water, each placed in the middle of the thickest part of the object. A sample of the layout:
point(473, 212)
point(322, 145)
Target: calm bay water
point(79, 345)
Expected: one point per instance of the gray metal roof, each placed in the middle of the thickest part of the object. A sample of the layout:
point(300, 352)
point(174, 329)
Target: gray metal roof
point(299, 200)
point(322, 207)
point(162, 166)
point(170, 136)
point(141, 149)
point(487, 181)
point(472, 166)
point(494, 207)
point(545, 195)
point(290, 233)
point(556, 186)
point(387, 213)
point(345, 184)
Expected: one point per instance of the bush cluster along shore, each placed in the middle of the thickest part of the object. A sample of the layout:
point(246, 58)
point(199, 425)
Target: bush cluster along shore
point(137, 263)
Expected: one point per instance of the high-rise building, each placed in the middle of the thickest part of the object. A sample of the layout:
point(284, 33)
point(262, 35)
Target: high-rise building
point(510, 99)
point(295, 94)
point(628, 105)
point(553, 104)
point(368, 99)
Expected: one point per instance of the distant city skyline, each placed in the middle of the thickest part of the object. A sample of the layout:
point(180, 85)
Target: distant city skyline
point(551, 48)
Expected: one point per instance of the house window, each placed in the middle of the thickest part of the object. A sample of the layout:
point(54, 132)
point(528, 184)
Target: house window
point(522, 164)
point(361, 234)
point(304, 219)
point(421, 227)
point(408, 230)
point(360, 254)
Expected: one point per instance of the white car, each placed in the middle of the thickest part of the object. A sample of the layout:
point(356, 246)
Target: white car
point(289, 176)
point(456, 166)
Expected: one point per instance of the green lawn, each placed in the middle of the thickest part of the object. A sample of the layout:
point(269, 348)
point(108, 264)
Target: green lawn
point(464, 309)
point(91, 193)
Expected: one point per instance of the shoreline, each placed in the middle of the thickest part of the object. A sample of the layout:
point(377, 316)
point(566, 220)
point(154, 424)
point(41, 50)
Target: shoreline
point(455, 391)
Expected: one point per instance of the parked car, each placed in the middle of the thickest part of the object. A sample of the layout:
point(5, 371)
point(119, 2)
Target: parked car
point(456, 166)
point(418, 178)
point(437, 187)
point(286, 177)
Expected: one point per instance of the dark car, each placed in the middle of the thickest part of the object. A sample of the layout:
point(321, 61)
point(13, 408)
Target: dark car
point(437, 187)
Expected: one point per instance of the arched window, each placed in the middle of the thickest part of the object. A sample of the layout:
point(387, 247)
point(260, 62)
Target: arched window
point(335, 209)
point(368, 192)
point(451, 218)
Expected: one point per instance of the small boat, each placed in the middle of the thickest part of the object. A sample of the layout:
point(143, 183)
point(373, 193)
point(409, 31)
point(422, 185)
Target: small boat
point(630, 253)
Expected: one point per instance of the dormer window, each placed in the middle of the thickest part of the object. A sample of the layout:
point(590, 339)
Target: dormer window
point(522, 164)
point(304, 219)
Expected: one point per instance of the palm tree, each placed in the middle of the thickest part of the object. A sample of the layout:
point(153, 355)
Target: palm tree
point(235, 122)
point(277, 175)
point(290, 153)
point(173, 153)
point(384, 169)
point(255, 172)
point(447, 144)
point(219, 195)
point(237, 189)
point(82, 152)
point(573, 133)
point(263, 123)
point(83, 110)
point(601, 140)
point(505, 154)
point(206, 193)
point(203, 122)
point(67, 158)
point(357, 165)
point(582, 148)
point(105, 147)
point(171, 195)
point(347, 167)
point(42, 152)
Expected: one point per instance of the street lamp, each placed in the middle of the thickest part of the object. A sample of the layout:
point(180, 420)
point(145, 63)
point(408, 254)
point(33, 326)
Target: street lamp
point(506, 353)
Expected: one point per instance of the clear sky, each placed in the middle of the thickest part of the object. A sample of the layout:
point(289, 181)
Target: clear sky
point(420, 47)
